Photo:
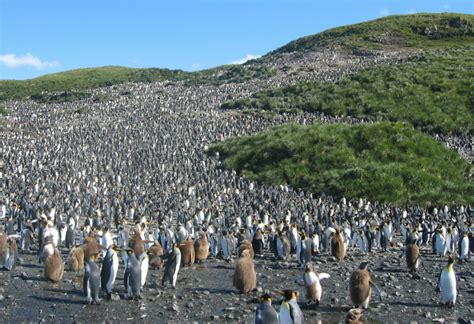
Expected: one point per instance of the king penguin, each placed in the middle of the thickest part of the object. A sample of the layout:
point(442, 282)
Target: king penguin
point(54, 267)
point(245, 277)
point(109, 270)
point(133, 276)
point(337, 246)
point(412, 254)
point(11, 254)
point(353, 316)
point(360, 286)
point(313, 284)
point(447, 284)
point(91, 280)
point(173, 257)
point(265, 313)
point(290, 311)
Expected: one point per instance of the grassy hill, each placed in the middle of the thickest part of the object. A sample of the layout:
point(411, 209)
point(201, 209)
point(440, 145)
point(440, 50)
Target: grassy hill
point(434, 92)
point(74, 84)
point(419, 31)
point(416, 31)
point(388, 162)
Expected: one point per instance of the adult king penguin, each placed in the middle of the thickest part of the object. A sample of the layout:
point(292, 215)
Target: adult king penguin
point(91, 280)
point(109, 270)
point(290, 311)
point(447, 284)
point(173, 257)
point(265, 313)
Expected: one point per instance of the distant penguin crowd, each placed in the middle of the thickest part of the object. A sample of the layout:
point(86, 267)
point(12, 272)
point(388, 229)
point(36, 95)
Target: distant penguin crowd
point(126, 186)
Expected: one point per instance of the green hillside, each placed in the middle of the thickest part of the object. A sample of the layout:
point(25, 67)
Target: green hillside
point(418, 30)
point(434, 92)
point(388, 162)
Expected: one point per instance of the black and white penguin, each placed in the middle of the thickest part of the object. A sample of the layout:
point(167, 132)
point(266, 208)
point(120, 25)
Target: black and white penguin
point(290, 311)
point(109, 270)
point(257, 242)
point(91, 281)
point(447, 284)
point(464, 247)
point(312, 283)
point(133, 276)
point(173, 257)
point(265, 313)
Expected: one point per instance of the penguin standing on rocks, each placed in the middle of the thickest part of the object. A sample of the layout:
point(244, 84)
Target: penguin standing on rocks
point(70, 237)
point(201, 247)
point(133, 276)
point(257, 242)
point(245, 277)
point(464, 247)
point(304, 249)
point(11, 254)
point(265, 313)
point(54, 267)
point(412, 254)
point(173, 257)
point(447, 284)
point(187, 252)
point(154, 253)
point(312, 283)
point(337, 246)
point(91, 281)
point(75, 260)
point(360, 286)
point(109, 270)
point(290, 311)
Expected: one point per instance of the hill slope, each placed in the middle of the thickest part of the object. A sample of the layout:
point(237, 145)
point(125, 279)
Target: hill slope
point(388, 162)
point(416, 31)
point(435, 93)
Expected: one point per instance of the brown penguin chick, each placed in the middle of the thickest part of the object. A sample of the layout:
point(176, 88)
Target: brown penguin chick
point(201, 247)
point(188, 254)
point(353, 316)
point(75, 260)
point(360, 286)
point(312, 282)
point(91, 247)
point(337, 246)
point(54, 267)
point(245, 277)
point(412, 254)
point(3, 245)
point(138, 244)
point(246, 245)
point(154, 253)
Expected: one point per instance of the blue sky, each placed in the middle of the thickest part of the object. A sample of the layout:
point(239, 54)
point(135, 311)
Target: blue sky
point(44, 36)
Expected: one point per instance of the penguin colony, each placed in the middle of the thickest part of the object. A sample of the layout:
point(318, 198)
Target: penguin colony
point(128, 186)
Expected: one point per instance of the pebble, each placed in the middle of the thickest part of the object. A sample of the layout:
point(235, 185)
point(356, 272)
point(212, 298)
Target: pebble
point(214, 317)
point(2, 297)
point(115, 297)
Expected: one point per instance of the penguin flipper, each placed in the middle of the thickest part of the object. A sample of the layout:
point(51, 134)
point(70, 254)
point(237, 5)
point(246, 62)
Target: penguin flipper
point(323, 275)
point(438, 287)
point(376, 289)
point(126, 278)
point(85, 282)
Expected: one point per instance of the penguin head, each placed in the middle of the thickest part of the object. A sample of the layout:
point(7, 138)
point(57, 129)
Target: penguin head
point(364, 265)
point(289, 294)
point(451, 261)
point(309, 267)
point(266, 298)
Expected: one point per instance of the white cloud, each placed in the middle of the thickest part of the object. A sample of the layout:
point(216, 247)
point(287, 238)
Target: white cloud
point(384, 12)
point(13, 61)
point(446, 6)
point(196, 66)
point(246, 58)
point(411, 11)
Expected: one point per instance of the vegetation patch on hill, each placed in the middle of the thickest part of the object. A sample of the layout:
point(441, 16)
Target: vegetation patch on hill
point(433, 92)
point(388, 162)
point(422, 30)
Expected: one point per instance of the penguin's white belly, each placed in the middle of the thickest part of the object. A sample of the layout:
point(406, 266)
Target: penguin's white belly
point(178, 264)
point(448, 287)
point(285, 316)
point(144, 267)
point(440, 246)
point(310, 278)
point(113, 272)
point(464, 248)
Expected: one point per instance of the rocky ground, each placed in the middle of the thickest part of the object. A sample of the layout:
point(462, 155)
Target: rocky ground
point(205, 293)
